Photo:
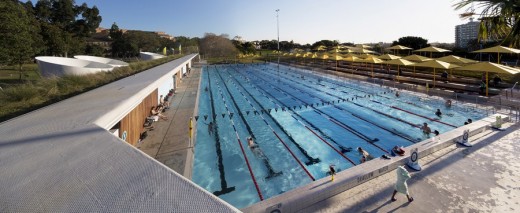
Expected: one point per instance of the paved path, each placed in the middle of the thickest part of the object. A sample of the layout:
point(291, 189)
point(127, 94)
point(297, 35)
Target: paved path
point(484, 178)
point(169, 141)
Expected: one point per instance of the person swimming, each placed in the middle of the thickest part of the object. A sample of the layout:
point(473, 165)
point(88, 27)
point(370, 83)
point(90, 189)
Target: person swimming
point(448, 103)
point(438, 113)
point(426, 129)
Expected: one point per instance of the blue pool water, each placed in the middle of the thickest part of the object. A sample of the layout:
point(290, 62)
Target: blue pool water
point(302, 122)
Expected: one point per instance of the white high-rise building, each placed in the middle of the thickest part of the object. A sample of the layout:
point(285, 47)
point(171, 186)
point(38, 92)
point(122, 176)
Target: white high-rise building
point(466, 32)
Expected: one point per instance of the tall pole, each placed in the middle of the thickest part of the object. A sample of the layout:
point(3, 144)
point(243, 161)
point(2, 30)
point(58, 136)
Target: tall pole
point(278, 35)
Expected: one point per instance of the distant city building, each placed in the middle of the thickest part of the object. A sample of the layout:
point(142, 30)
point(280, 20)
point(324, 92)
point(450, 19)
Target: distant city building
point(465, 33)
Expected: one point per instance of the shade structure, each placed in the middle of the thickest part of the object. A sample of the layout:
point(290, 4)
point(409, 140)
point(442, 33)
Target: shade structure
point(372, 61)
point(490, 67)
point(432, 49)
point(416, 58)
point(388, 57)
point(455, 60)
point(362, 46)
point(320, 48)
point(360, 50)
point(399, 62)
point(352, 59)
point(366, 55)
point(398, 47)
point(336, 57)
point(498, 49)
point(436, 64)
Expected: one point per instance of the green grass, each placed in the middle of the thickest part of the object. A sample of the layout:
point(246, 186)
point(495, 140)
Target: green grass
point(36, 92)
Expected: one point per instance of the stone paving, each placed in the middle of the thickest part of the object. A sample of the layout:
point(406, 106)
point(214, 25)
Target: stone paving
point(169, 141)
point(483, 178)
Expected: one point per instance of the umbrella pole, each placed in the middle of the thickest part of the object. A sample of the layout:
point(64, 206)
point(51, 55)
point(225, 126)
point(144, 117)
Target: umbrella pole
point(372, 70)
point(487, 84)
point(433, 77)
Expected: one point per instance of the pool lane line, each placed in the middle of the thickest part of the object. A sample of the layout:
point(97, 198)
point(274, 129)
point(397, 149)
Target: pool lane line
point(422, 116)
point(307, 127)
point(376, 94)
point(311, 160)
point(224, 189)
point(243, 153)
point(335, 121)
point(382, 113)
point(265, 160)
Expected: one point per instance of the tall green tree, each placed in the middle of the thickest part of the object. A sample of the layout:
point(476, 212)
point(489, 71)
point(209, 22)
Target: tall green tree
point(16, 40)
point(500, 19)
point(413, 42)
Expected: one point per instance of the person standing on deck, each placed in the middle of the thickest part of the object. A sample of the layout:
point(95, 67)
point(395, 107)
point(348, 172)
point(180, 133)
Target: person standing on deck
point(400, 186)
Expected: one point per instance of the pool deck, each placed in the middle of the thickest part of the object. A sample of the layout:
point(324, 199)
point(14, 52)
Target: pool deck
point(169, 141)
point(483, 178)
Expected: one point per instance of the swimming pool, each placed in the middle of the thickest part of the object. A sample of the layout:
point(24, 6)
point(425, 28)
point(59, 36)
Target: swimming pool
point(302, 122)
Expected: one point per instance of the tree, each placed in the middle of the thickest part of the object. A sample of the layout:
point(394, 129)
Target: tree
point(16, 40)
point(500, 20)
point(412, 42)
point(212, 45)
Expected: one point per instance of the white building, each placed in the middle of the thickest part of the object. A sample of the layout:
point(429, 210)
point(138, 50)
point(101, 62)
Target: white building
point(465, 33)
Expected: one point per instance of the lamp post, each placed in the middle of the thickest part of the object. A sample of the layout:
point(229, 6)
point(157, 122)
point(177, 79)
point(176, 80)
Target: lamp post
point(278, 35)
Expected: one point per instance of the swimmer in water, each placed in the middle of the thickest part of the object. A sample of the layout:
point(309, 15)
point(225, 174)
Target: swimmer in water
point(426, 129)
point(438, 113)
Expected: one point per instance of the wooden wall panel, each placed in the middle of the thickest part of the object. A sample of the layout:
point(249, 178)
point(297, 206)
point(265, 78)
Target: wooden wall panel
point(133, 122)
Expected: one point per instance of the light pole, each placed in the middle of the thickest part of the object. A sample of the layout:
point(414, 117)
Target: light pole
point(278, 34)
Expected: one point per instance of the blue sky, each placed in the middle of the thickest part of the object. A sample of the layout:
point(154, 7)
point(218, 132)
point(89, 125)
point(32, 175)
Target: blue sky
point(304, 21)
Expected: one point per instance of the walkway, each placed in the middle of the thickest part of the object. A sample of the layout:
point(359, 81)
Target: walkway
point(484, 178)
point(169, 141)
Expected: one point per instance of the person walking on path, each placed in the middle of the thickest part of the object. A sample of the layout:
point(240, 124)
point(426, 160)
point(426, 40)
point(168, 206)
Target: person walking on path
point(400, 185)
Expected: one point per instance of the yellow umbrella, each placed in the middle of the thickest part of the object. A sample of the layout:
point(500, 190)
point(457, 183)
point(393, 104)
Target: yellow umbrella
point(398, 47)
point(416, 58)
point(366, 55)
point(490, 67)
point(388, 57)
point(320, 48)
point(352, 59)
point(336, 58)
point(399, 62)
point(362, 46)
point(498, 49)
point(432, 49)
point(436, 64)
point(455, 59)
point(323, 57)
point(360, 50)
point(373, 61)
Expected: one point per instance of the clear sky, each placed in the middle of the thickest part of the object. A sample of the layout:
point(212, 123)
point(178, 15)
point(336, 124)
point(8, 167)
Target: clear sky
point(304, 21)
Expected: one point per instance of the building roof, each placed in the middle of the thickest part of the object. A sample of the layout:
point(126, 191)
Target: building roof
point(62, 158)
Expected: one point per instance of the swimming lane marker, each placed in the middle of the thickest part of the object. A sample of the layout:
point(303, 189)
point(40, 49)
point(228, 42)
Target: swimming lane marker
point(413, 162)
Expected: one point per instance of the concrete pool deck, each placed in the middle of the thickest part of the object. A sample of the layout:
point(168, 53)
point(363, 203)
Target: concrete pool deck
point(169, 141)
point(484, 178)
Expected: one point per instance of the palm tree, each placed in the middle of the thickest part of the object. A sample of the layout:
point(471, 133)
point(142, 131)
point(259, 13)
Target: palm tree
point(500, 19)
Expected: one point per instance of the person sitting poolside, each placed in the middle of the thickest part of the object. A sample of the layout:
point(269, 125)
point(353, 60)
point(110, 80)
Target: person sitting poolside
point(426, 129)
point(156, 111)
point(365, 156)
point(438, 113)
